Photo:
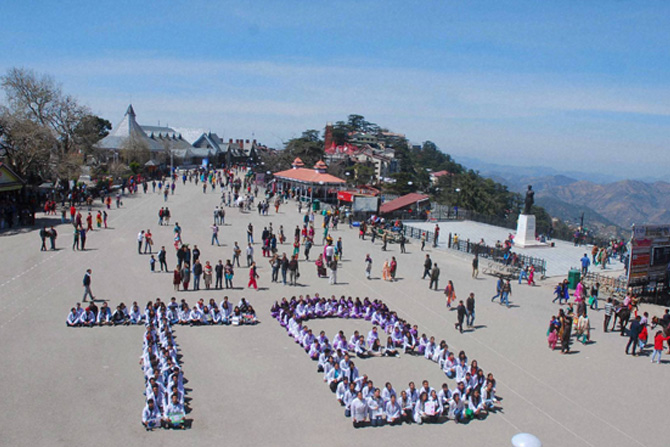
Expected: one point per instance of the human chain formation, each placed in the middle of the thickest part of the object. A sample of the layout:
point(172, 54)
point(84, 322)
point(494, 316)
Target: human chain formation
point(163, 376)
point(473, 397)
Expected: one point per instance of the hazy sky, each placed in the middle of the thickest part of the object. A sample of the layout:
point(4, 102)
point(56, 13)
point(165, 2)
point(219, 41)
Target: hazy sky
point(574, 85)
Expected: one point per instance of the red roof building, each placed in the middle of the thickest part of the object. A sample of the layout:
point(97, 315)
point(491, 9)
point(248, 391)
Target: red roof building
point(408, 200)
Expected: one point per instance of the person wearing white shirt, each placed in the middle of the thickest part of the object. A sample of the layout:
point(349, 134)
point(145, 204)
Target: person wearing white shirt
point(87, 318)
point(348, 397)
point(353, 340)
point(342, 388)
point(489, 396)
point(359, 410)
point(174, 413)
point(476, 404)
point(412, 393)
point(425, 388)
point(420, 415)
point(423, 342)
point(72, 318)
point(457, 408)
point(333, 377)
point(151, 416)
point(387, 392)
point(461, 370)
point(408, 342)
point(196, 316)
point(360, 349)
point(444, 395)
point(406, 406)
point(450, 366)
point(435, 408)
point(372, 336)
point(368, 390)
point(430, 349)
point(104, 315)
point(136, 315)
point(376, 409)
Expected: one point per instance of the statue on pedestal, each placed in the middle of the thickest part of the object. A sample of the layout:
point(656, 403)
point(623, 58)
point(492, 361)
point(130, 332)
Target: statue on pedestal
point(530, 199)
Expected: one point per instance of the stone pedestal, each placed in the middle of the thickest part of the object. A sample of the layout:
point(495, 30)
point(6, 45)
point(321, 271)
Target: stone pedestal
point(525, 232)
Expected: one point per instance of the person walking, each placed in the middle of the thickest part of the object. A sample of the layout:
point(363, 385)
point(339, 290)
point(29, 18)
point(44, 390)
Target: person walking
point(499, 286)
point(427, 264)
point(75, 241)
point(460, 315)
point(215, 234)
point(434, 277)
point(87, 285)
point(253, 276)
point(586, 262)
point(506, 292)
point(470, 308)
point(475, 266)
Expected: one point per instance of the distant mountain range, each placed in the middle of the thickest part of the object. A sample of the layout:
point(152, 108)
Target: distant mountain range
point(610, 205)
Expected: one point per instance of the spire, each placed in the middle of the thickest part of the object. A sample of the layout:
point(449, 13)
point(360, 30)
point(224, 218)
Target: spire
point(130, 111)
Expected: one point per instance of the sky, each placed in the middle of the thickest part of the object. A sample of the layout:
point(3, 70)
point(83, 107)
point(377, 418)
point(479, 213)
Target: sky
point(579, 86)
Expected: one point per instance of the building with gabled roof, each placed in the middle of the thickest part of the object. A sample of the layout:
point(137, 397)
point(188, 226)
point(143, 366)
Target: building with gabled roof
point(308, 183)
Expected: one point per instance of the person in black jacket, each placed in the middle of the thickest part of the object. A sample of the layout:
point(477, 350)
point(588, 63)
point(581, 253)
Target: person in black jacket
point(427, 264)
point(197, 272)
point(460, 313)
point(218, 271)
point(634, 334)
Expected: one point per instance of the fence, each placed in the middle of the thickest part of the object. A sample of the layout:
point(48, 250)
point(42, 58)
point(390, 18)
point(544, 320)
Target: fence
point(484, 251)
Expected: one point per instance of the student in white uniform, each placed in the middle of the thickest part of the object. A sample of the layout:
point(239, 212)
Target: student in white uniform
point(174, 414)
point(376, 409)
point(394, 413)
point(359, 411)
point(489, 396)
point(407, 407)
point(387, 392)
point(450, 366)
point(349, 396)
point(412, 393)
point(151, 417)
point(457, 408)
point(476, 404)
point(72, 318)
point(341, 389)
point(104, 315)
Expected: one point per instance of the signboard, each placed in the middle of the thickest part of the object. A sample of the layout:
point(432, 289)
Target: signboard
point(365, 204)
point(649, 254)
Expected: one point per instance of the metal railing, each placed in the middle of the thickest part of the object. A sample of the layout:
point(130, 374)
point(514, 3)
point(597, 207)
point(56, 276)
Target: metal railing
point(505, 257)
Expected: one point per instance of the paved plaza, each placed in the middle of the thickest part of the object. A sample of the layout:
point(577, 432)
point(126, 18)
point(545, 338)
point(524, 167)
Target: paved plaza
point(252, 385)
point(560, 258)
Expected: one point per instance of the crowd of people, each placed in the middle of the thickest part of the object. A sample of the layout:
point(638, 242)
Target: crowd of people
point(472, 397)
point(200, 314)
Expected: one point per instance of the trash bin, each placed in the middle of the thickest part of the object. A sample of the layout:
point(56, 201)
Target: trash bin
point(574, 276)
point(316, 205)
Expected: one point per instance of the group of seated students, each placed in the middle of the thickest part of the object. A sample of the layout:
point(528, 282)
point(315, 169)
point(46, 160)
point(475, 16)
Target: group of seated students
point(473, 397)
point(163, 376)
point(176, 313)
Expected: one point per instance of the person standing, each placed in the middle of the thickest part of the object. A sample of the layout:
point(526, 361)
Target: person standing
point(609, 310)
point(460, 314)
point(43, 235)
point(475, 266)
point(293, 270)
point(586, 262)
point(634, 334)
point(228, 274)
point(434, 277)
point(75, 242)
point(185, 275)
point(237, 251)
point(218, 272)
point(470, 308)
point(87, 285)
point(333, 271)
point(250, 255)
point(197, 272)
point(385, 240)
point(162, 259)
point(393, 268)
point(207, 275)
point(427, 264)
point(82, 237)
point(368, 266)
point(437, 235)
point(250, 233)
point(140, 239)
point(52, 237)
point(423, 241)
point(402, 242)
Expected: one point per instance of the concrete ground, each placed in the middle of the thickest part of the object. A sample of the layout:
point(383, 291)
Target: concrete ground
point(560, 258)
point(253, 385)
